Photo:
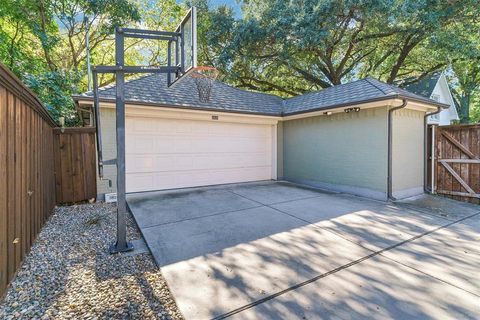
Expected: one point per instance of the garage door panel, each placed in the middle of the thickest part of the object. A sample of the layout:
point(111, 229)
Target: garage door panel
point(173, 153)
point(140, 163)
point(240, 174)
point(141, 125)
point(192, 162)
point(138, 143)
point(173, 162)
point(181, 179)
point(257, 160)
point(139, 182)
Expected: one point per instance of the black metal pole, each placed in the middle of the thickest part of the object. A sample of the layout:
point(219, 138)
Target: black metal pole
point(96, 109)
point(182, 50)
point(121, 245)
point(169, 61)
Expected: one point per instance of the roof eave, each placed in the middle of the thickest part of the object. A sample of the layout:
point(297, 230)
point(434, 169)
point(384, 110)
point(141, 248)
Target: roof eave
point(183, 107)
point(79, 98)
point(423, 101)
point(342, 105)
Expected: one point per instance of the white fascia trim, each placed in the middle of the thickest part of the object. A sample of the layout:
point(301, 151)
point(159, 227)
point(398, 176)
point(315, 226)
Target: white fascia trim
point(175, 113)
point(327, 112)
point(189, 114)
point(412, 105)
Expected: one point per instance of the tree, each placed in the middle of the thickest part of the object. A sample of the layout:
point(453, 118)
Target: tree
point(464, 76)
point(465, 85)
point(282, 47)
point(475, 109)
point(290, 47)
point(43, 42)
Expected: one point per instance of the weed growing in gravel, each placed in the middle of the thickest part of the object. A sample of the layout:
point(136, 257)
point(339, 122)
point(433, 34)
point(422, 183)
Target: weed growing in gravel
point(93, 221)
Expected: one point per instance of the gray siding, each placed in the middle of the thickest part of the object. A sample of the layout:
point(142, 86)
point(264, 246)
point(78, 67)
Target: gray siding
point(344, 152)
point(407, 153)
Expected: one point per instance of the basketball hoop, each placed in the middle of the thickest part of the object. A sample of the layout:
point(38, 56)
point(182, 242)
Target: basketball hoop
point(204, 77)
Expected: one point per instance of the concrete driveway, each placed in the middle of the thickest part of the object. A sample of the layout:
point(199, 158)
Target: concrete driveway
point(278, 251)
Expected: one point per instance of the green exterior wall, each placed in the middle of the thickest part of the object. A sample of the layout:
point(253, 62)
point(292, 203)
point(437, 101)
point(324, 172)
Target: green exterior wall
point(345, 152)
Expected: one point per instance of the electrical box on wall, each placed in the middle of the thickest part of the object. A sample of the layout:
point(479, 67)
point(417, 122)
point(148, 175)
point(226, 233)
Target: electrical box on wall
point(110, 197)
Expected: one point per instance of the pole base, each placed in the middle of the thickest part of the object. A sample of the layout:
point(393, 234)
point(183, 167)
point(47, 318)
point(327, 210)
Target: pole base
point(114, 248)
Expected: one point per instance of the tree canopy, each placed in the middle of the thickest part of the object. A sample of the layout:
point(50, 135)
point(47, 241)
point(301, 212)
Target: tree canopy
point(277, 46)
point(290, 47)
point(43, 42)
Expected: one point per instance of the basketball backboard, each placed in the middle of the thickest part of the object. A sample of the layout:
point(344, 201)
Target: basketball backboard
point(183, 53)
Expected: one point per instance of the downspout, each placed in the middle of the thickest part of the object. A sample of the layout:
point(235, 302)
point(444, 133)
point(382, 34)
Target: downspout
point(390, 149)
point(425, 143)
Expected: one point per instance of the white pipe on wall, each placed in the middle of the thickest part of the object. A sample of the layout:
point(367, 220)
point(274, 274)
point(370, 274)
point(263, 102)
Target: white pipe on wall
point(433, 160)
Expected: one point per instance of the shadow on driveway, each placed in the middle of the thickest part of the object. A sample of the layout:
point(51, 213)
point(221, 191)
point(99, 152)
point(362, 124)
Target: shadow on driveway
point(223, 248)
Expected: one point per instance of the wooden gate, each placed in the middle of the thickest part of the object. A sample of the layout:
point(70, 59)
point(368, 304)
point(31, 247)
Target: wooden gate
point(75, 164)
point(457, 162)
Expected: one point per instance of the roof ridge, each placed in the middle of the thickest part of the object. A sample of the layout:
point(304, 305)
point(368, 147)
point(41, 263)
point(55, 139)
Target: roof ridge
point(336, 86)
point(242, 90)
point(376, 86)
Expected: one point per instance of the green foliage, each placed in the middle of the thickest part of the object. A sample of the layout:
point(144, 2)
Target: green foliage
point(475, 110)
point(465, 84)
point(43, 42)
point(282, 47)
point(54, 89)
point(290, 47)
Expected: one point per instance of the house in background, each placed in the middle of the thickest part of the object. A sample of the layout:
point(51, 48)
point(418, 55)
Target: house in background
point(436, 88)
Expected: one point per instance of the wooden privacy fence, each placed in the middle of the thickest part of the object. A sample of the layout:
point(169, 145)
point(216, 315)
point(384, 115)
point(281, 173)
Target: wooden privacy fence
point(457, 162)
point(75, 164)
point(27, 186)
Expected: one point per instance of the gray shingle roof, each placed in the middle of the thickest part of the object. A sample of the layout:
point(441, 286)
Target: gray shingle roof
point(425, 86)
point(152, 90)
point(352, 93)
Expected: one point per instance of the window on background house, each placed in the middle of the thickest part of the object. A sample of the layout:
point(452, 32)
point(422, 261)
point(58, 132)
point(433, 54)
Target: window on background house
point(435, 97)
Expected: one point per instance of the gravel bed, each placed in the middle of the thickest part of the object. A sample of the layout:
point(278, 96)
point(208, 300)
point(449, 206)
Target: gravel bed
point(69, 273)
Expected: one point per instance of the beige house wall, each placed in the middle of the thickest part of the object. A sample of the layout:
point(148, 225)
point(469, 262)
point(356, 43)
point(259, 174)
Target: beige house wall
point(109, 151)
point(407, 153)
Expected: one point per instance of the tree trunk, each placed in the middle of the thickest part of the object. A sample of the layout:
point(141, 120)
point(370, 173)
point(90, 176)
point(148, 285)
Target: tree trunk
point(464, 112)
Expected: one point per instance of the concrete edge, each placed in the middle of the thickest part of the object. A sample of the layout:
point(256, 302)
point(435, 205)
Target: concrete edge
point(407, 193)
point(363, 192)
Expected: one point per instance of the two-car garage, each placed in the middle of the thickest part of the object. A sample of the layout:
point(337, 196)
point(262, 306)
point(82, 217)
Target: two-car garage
point(173, 140)
point(167, 153)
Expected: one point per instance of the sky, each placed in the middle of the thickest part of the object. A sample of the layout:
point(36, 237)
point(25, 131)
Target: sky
point(231, 3)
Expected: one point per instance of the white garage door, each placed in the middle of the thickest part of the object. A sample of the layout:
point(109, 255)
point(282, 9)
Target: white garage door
point(171, 153)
